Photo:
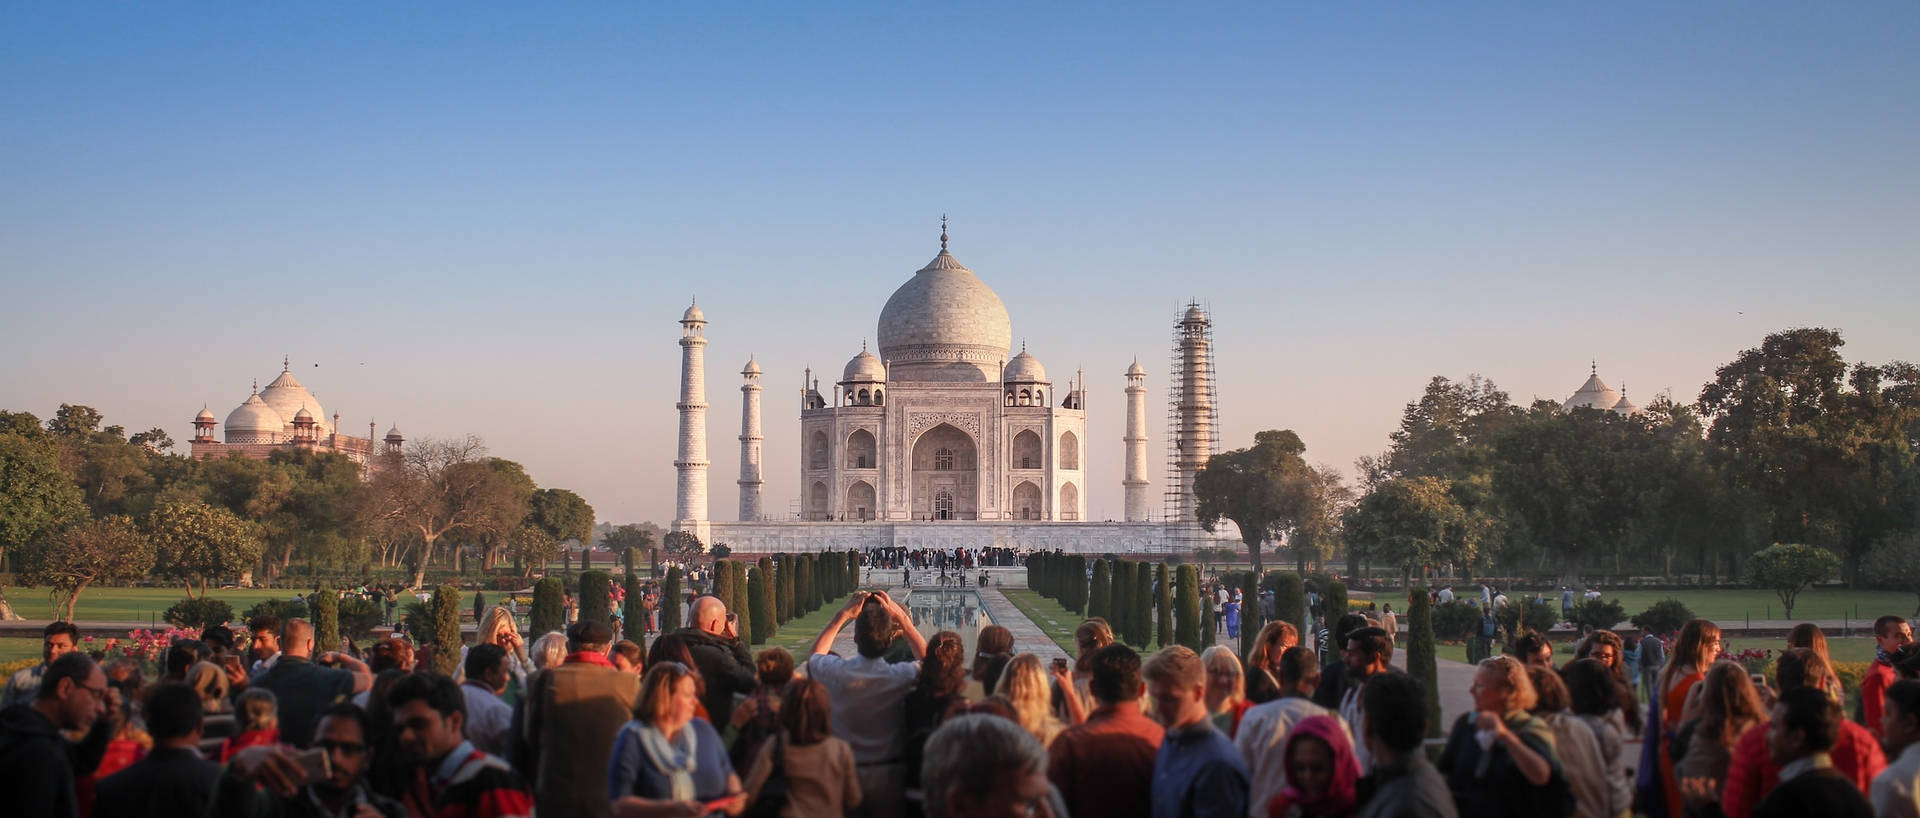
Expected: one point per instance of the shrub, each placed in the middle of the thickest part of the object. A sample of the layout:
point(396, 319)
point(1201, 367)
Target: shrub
point(197, 614)
point(1290, 600)
point(1527, 614)
point(326, 619)
point(1455, 621)
point(1598, 614)
point(549, 607)
point(723, 580)
point(783, 590)
point(803, 585)
point(1334, 604)
point(1142, 616)
point(1122, 621)
point(633, 617)
point(1665, 616)
point(446, 630)
point(1100, 591)
point(283, 609)
point(358, 617)
point(596, 597)
point(1250, 612)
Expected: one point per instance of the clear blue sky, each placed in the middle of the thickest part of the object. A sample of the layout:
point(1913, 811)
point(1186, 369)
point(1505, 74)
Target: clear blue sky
point(486, 217)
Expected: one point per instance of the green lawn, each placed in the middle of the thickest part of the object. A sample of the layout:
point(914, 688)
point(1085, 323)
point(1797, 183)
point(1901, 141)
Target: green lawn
point(1057, 621)
point(798, 634)
point(14, 648)
point(132, 604)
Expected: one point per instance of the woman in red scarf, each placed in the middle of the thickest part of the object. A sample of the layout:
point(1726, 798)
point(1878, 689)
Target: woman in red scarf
point(1321, 770)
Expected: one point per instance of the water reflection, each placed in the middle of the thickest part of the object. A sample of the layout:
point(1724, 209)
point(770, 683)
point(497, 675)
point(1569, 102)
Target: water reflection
point(937, 609)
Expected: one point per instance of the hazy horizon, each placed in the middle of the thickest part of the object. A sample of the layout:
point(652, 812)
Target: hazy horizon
point(488, 219)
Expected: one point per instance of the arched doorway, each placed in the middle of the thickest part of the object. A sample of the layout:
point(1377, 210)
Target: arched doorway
point(817, 451)
point(945, 459)
point(860, 450)
point(1069, 502)
point(860, 501)
point(1069, 451)
point(817, 503)
point(1026, 502)
point(1026, 451)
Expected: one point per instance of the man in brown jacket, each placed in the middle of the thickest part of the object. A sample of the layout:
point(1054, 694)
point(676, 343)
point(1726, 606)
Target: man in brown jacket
point(572, 713)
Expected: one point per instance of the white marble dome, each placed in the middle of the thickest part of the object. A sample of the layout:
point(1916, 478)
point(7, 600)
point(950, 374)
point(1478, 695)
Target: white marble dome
point(864, 368)
point(1136, 368)
point(945, 324)
point(288, 397)
point(1024, 368)
point(1594, 394)
point(254, 422)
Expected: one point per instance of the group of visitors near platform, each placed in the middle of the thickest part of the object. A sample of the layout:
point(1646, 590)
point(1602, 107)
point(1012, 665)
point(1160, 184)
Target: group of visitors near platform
point(259, 724)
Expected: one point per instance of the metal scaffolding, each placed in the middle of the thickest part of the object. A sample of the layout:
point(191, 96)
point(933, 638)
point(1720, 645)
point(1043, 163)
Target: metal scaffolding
point(1193, 416)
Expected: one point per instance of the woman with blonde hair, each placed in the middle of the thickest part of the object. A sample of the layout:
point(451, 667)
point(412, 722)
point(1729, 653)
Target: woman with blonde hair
point(1024, 685)
point(497, 627)
point(1226, 688)
point(1499, 759)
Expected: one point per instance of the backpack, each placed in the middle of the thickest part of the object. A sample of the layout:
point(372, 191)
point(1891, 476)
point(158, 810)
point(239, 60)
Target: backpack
point(772, 796)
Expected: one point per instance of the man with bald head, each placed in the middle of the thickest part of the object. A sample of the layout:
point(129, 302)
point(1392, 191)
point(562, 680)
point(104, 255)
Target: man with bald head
point(714, 640)
point(304, 688)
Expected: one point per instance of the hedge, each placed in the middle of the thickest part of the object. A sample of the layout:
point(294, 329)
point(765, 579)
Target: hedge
point(446, 630)
point(1420, 654)
point(1163, 602)
point(596, 597)
point(549, 607)
point(326, 619)
point(1100, 592)
point(671, 596)
point(633, 616)
point(761, 601)
point(1186, 627)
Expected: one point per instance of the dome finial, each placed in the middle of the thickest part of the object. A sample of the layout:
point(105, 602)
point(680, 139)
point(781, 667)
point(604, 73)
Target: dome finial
point(1593, 367)
point(256, 386)
point(286, 363)
point(943, 232)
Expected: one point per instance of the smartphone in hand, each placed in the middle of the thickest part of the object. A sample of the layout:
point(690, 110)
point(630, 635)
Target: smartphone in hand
point(315, 764)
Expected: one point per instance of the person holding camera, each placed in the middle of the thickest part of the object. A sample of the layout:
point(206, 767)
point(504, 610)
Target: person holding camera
point(869, 694)
point(714, 642)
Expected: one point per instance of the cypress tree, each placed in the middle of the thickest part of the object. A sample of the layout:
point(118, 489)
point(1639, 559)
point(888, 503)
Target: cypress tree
point(1290, 601)
point(549, 607)
point(1123, 601)
point(1100, 595)
point(1420, 654)
point(1334, 605)
point(783, 594)
point(723, 580)
point(446, 629)
point(1250, 614)
point(633, 617)
point(1142, 604)
point(803, 583)
point(853, 571)
point(670, 599)
point(759, 616)
point(770, 595)
point(326, 619)
point(742, 602)
point(1163, 601)
point(596, 597)
point(1187, 598)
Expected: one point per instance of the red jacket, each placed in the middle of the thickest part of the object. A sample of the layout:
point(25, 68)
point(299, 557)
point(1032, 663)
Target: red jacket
point(1752, 773)
point(1873, 695)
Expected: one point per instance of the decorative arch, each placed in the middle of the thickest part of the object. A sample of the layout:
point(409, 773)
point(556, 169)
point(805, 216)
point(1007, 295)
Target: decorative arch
point(1027, 453)
point(945, 462)
point(1039, 397)
point(860, 450)
point(1069, 502)
point(1027, 502)
point(866, 397)
point(1069, 452)
point(1026, 397)
point(879, 397)
point(817, 502)
point(817, 450)
point(860, 502)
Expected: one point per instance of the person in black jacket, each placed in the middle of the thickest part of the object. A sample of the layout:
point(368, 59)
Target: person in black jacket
point(173, 779)
point(36, 770)
point(714, 642)
point(1805, 726)
point(1333, 673)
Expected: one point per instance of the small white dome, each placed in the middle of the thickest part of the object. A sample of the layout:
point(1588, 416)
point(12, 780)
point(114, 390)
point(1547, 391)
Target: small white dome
point(1024, 368)
point(287, 397)
point(1195, 314)
point(303, 414)
point(393, 431)
point(1625, 407)
point(752, 367)
point(865, 368)
point(204, 415)
point(1136, 369)
point(254, 422)
point(693, 315)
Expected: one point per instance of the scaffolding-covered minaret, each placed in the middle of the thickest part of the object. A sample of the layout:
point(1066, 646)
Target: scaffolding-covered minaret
point(750, 440)
point(1135, 482)
point(690, 495)
point(1192, 411)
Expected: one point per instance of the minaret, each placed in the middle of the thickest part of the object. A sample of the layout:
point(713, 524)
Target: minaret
point(1194, 410)
point(690, 497)
point(750, 442)
point(1135, 484)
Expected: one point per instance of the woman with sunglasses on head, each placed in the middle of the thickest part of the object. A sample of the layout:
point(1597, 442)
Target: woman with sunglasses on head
point(667, 761)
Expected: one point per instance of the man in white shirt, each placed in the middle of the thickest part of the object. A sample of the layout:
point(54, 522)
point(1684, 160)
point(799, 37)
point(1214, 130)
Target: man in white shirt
point(868, 695)
point(489, 720)
point(1446, 595)
point(1896, 790)
point(1262, 734)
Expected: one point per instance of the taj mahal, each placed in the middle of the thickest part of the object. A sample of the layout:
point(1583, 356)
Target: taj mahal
point(947, 437)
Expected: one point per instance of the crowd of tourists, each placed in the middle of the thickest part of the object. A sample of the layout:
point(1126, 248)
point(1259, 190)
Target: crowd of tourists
point(261, 723)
